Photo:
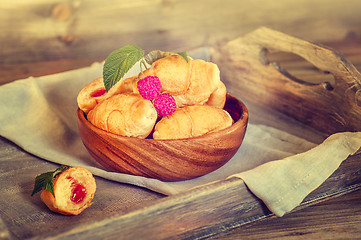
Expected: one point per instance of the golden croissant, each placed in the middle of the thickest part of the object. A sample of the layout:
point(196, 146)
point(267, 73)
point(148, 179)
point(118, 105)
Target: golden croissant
point(191, 82)
point(126, 114)
point(192, 121)
point(195, 82)
point(94, 92)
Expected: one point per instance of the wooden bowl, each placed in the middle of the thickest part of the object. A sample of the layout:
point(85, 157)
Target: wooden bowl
point(167, 160)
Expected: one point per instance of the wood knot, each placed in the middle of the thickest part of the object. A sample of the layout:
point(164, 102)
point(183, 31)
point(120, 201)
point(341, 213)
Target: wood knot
point(67, 39)
point(61, 12)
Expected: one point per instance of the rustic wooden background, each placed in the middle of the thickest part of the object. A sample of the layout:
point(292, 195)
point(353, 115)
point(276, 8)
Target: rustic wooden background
point(40, 37)
point(41, 30)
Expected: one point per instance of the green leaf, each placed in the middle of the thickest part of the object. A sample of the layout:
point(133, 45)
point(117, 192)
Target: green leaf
point(184, 55)
point(60, 170)
point(45, 180)
point(155, 55)
point(118, 64)
point(42, 181)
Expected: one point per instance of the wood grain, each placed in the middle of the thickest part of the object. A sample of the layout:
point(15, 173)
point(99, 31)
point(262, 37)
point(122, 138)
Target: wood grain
point(339, 218)
point(200, 213)
point(136, 213)
point(246, 70)
point(63, 29)
point(203, 212)
point(25, 217)
point(18, 70)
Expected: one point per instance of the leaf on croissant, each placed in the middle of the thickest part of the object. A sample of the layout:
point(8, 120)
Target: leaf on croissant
point(184, 55)
point(155, 55)
point(45, 180)
point(118, 64)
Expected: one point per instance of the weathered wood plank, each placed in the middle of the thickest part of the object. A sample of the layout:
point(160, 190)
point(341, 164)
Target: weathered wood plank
point(180, 217)
point(137, 212)
point(293, 63)
point(247, 71)
point(25, 216)
point(338, 218)
point(48, 29)
point(15, 71)
point(203, 212)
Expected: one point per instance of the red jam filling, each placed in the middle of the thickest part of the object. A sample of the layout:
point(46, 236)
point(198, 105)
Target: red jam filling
point(78, 193)
point(98, 93)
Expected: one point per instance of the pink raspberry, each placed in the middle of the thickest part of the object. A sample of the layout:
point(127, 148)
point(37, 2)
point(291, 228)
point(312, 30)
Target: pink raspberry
point(165, 104)
point(149, 87)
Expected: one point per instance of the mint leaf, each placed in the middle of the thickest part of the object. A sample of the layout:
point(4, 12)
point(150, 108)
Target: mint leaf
point(155, 55)
point(183, 55)
point(60, 170)
point(45, 180)
point(118, 64)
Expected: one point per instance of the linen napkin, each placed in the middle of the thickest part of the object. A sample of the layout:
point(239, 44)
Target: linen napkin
point(299, 174)
point(39, 115)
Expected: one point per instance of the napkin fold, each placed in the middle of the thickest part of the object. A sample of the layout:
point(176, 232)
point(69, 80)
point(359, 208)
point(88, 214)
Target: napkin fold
point(39, 115)
point(283, 184)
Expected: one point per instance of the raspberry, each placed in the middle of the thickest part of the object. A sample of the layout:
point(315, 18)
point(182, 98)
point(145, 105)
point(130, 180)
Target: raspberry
point(165, 104)
point(149, 87)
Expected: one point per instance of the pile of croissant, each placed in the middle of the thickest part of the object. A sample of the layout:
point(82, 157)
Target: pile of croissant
point(195, 86)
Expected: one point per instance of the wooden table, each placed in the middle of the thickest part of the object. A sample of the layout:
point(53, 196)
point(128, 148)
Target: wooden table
point(337, 218)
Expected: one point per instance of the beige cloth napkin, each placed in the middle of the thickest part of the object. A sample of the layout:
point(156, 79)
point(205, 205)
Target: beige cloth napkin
point(39, 115)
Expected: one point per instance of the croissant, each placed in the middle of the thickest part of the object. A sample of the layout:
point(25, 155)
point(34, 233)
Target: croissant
point(94, 92)
point(192, 121)
point(126, 114)
point(189, 83)
point(218, 96)
point(74, 190)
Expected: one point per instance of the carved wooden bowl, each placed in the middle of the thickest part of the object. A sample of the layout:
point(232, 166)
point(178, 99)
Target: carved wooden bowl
point(167, 160)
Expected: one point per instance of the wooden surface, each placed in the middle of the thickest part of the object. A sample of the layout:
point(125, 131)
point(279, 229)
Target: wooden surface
point(339, 218)
point(213, 211)
point(130, 212)
point(45, 30)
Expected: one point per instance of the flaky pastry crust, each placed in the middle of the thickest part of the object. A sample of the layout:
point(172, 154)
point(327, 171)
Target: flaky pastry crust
point(64, 184)
point(189, 83)
point(192, 121)
point(126, 114)
point(89, 96)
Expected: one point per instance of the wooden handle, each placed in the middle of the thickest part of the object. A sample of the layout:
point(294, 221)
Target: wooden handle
point(248, 74)
point(322, 57)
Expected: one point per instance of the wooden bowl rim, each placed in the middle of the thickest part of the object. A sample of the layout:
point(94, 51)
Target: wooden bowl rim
point(243, 119)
